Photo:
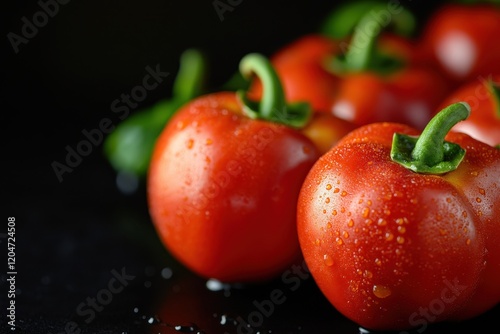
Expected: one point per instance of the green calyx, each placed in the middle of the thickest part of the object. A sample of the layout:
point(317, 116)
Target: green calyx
point(429, 153)
point(273, 106)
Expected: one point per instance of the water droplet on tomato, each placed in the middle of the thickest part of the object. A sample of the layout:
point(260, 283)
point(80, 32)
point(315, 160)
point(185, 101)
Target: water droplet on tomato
point(401, 229)
point(350, 223)
point(478, 200)
point(482, 191)
point(328, 186)
point(327, 200)
point(378, 262)
point(339, 241)
point(209, 141)
point(190, 144)
point(389, 236)
point(336, 190)
point(400, 240)
point(345, 234)
point(366, 212)
point(381, 291)
point(328, 260)
point(381, 222)
point(343, 193)
point(334, 212)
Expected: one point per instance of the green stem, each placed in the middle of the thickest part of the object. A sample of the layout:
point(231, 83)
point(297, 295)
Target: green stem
point(342, 21)
point(430, 153)
point(362, 54)
point(190, 77)
point(494, 89)
point(273, 106)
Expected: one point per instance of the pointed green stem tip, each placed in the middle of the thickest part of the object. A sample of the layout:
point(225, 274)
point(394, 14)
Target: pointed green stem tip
point(273, 106)
point(429, 153)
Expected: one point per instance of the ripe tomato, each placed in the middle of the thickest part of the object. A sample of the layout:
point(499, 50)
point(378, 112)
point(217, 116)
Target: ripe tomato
point(393, 248)
point(225, 177)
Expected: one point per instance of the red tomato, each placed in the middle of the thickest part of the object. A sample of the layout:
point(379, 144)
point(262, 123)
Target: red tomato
point(225, 177)
point(461, 40)
point(483, 95)
point(394, 249)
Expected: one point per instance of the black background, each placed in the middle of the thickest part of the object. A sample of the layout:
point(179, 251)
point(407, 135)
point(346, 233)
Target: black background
point(71, 235)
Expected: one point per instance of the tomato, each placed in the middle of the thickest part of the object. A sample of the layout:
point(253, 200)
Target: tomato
point(459, 38)
point(367, 77)
point(483, 95)
point(225, 176)
point(400, 235)
point(301, 66)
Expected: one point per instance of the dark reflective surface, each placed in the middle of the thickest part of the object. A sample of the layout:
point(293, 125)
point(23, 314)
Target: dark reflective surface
point(87, 257)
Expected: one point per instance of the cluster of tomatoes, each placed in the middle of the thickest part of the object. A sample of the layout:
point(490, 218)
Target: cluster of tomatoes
point(370, 156)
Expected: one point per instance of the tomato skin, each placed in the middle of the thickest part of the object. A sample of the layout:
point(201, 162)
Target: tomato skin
point(459, 40)
point(392, 249)
point(222, 190)
point(407, 96)
point(484, 121)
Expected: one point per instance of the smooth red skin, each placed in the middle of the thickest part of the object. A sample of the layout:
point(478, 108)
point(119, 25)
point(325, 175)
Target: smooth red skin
point(484, 120)
point(223, 188)
point(408, 96)
point(480, 26)
point(357, 180)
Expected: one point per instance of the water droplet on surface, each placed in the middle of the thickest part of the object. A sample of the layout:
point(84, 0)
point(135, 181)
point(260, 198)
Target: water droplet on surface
point(343, 193)
point(328, 186)
point(339, 241)
point(166, 273)
point(478, 200)
point(336, 190)
point(381, 291)
point(401, 229)
point(350, 223)
point(328, 260)
point(378, 262)
point(209, 141)
point(400, 240)
point(365, 212)
point(389, 236)
point(381, 222)
point(190, 143)
point(482, 191)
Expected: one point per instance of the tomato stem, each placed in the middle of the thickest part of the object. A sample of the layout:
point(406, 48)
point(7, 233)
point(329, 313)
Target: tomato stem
point(362, 54)
point(494, 89)
point(429, 153)
point(273, 106)
point(342, 21)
